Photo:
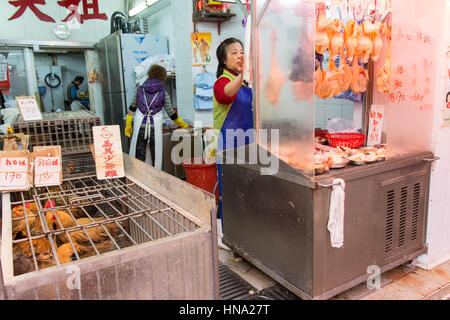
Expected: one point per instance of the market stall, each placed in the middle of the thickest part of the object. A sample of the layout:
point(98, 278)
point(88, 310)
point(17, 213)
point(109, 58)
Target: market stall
point(332, 213)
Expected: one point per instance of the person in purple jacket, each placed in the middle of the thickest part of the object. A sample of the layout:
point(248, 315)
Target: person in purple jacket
point(146, 111)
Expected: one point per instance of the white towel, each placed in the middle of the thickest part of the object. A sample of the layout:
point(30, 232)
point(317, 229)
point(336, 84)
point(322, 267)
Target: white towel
point(336, 216)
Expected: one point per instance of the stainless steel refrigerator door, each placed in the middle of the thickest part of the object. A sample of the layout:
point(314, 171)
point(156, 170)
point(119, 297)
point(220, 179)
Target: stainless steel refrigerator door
point(114, 102)
point(111, 64)
point(135, 49)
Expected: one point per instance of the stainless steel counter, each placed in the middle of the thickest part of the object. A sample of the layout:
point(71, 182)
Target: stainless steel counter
point(279, 223)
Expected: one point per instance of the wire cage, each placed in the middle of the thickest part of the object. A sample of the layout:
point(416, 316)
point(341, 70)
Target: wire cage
point(78, 165)
point(72, 130)
point(84, 206)
point(119, 232)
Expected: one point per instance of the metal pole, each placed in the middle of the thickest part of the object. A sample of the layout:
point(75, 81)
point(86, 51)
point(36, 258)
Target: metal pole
point(215, 254)
point(243, 9)
point(30, 71)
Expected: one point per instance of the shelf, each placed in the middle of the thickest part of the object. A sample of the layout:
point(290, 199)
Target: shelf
point(218, 17)
point(215, 17)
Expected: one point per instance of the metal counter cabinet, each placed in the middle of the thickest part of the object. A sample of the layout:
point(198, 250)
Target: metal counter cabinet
point(279, 223)
point(166, 247)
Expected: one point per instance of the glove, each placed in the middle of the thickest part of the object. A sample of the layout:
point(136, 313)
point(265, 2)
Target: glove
point(129, 126)
point(181, 123)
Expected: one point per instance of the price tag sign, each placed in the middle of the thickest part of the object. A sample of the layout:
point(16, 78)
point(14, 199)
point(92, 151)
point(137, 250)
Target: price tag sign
point(14, 174)
point(376, 120)
point(28, 108)
point(3, 71)
point(47, 166)
point(47, 171)
point(108, 152)
point(446, 122)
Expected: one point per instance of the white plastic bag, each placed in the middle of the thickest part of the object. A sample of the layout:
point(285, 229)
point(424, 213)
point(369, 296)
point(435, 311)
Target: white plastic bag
point(165, 60)
point(338, 125)
point(10, 115)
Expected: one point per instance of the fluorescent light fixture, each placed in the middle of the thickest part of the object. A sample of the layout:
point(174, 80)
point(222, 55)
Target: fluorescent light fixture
point(144, 5)
point(150, 2)
point(138, 9)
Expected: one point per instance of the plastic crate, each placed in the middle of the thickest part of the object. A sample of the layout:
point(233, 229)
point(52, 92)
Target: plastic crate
point(72, 130)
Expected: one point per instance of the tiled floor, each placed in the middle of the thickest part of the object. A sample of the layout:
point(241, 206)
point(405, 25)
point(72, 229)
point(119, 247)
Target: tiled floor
point(416, 285)
point(398, 284)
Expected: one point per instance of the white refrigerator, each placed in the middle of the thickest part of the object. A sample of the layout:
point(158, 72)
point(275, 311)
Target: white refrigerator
point(119, 55)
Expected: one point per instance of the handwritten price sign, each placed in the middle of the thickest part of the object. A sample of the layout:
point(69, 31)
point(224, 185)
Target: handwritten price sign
point(28, 108)
point(108, 152)
point(47, 171)
point(376, 122)
point(13, 174)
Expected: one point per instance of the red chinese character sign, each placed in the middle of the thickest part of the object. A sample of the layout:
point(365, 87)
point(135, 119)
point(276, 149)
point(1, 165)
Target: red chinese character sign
point(24, 5)
point(108, 152)
point(376, 122)
point(15, 171)
point(89, 10)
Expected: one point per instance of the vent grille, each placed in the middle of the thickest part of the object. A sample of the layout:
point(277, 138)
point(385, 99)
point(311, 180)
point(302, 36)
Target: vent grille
point(416, 212)
point(402, 217)
point(402, 224)
point(145, 25)
point(389, 220)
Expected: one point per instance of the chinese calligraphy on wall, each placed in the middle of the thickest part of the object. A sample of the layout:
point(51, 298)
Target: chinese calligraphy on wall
point(412, 78)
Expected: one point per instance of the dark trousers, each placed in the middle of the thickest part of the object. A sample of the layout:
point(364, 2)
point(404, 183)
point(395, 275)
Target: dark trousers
point(141, 144)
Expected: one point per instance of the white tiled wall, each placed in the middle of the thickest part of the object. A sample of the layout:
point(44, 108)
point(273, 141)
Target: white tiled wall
point(181, 28)
point(327, 109)
point(232, 28)
point(438, 232)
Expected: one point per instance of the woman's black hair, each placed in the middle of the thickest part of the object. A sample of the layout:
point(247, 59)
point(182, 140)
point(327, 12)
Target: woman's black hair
point(222, 54)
